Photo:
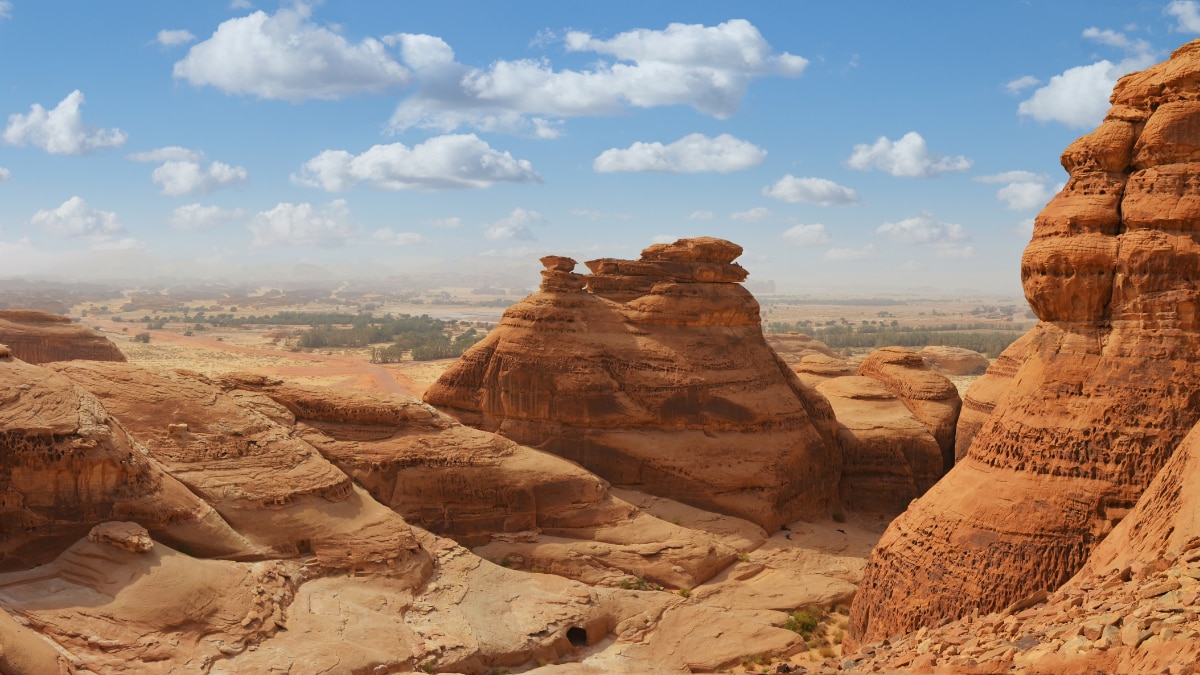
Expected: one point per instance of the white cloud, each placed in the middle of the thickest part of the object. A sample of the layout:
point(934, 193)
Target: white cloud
point(1078, 97)
point(807, 235)
point(587, 213)
point(388, 236)
point(754, 215)
point(819, 191)
point(693, 153)
point(706, 67)
point(450, 223)
point(1187, 15)
point(441, 163)
point(174, 38)
point(1024, 190)
point(848, 254)
point(304, 225)
point(700, 214)
point(515, 226)
point(172, 153)
point(906, 158)
point(5, 175)
point(241, 4)
point(1021, 84)
point(75, 219)
point(5, 10)
point(60, 131)
point(197, 217)
point(948, 239)
point(183, 173)
point(286, 56)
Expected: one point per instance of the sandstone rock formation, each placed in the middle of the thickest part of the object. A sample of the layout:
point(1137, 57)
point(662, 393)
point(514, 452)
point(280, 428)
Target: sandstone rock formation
point(1107, 388)
point(655, 374)
point(41, 337)
point(814, 369)
point(792, 347)
point(954, 360)
point(931, 397)
point(67, 465)
point(890, 457)
point(981, 398)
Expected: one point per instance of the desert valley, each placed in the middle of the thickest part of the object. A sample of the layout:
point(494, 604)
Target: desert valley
point(646, 464)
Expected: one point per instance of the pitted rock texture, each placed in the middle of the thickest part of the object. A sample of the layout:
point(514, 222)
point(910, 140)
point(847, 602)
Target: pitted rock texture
point(1107, 388)
point(655, 376)
point(929, 395)
point(981, 398)
point(954, 360)
point(41, 337)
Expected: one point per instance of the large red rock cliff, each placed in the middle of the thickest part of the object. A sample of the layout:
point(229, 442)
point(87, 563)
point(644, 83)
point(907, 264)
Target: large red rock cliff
point(1101, 392)
point(655, 373)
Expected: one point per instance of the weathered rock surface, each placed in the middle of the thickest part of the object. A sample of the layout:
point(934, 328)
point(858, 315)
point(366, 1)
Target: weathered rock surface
point(930, 396)
point(655, 376)
point(814, 369)
point(891, 458)
point(67, 465)
point(954, 360)
point(41, 337)
point(792, 347)
point(981, 398)
point(1107, 389)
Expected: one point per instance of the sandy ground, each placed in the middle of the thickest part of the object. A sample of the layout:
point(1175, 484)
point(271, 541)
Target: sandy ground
point(219, 352)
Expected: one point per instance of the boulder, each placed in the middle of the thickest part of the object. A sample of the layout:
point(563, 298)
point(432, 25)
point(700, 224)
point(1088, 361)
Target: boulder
point(954, 361)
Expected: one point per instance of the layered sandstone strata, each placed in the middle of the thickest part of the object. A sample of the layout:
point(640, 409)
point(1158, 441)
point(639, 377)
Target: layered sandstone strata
point(1107, 387)
point(41, 337)
point(654, 373)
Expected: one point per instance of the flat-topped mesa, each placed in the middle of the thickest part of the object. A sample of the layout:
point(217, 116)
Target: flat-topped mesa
point(1087, 408)
point(656, 376)
point(41, 337)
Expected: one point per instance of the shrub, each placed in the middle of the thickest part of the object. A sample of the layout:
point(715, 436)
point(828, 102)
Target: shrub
point(142, 337)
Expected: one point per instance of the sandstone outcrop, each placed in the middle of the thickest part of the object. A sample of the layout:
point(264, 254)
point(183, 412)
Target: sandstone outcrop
point(1106, 390)
point(655, 375)
point(41, 337)
point(981, 398)
point(930, 396)
point(68, 465)
point(954, 361)
point(814, 369)
point(792, 347)
point(891, 458)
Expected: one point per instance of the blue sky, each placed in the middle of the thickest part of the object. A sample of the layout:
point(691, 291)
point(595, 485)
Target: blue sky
point(849, 146)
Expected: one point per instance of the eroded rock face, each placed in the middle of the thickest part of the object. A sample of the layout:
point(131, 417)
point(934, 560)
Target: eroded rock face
point(1107, 388)
point(954, 360)
point(41, 337)
point(656, 375)
point(67, 465)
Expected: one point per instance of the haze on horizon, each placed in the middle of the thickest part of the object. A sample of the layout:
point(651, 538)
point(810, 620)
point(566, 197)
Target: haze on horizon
point(847, 146)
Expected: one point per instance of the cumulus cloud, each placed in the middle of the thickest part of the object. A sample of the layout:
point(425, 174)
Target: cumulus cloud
point(5, 175)
point(198, 218)
point(706, 67)
point(5, 10)
point(60, 131)
point(515, 226)
point(285, 56)
point(947, 239)
point(174, 38)
point(1021, 84)
point(76, 220)
point(701, 214)
point(848, 254)
point(819, 191)
point(183, 173)
point(693, 153)
point(1187, 15)
point(1024, 190)
point(441, 163)
point(1078, 97)
point(807, 235)
point(908, 157)
point(754, 215)
point(388, 236)
point(304, 225)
